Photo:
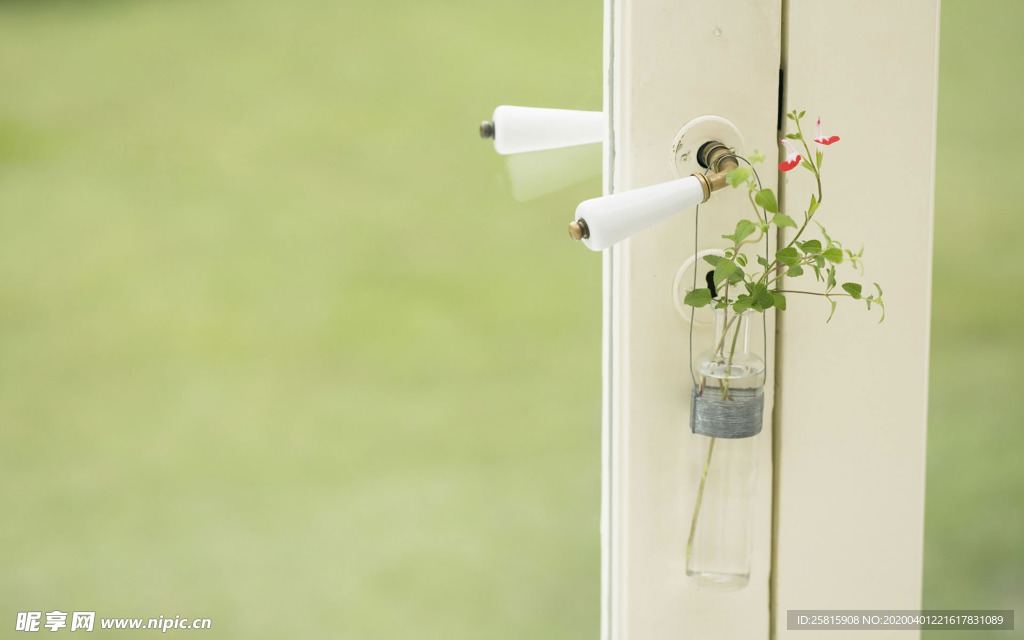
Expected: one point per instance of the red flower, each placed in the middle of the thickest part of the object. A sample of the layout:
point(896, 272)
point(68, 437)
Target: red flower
point(792, 157)
point(822, 139)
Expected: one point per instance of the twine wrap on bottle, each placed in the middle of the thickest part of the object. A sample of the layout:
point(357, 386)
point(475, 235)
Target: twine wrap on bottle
point(740, 415)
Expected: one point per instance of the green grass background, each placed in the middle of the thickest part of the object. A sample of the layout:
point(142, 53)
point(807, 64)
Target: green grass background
point(278, 348)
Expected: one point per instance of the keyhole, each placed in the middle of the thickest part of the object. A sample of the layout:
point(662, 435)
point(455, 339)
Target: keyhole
point(710, 279)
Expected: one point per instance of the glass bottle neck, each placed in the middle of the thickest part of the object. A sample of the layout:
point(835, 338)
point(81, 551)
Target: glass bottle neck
point(731, 332)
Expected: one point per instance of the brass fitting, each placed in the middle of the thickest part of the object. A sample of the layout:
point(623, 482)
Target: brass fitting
point(578, 229)
point(705, 184)
point(716, 156)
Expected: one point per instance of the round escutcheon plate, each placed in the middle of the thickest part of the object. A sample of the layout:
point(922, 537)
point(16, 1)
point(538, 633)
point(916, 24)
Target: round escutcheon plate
point(684, 283)
point(695, 133)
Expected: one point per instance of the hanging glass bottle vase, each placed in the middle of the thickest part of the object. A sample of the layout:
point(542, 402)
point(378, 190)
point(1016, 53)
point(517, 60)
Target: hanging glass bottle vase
point(726, 412)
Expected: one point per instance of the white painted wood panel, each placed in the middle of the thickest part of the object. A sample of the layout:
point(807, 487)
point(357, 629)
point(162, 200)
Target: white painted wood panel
point(668, 62)
point(851, 400)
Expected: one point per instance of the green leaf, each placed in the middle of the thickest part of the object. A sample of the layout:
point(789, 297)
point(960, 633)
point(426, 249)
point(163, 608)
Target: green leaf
point(782, 220)
point(791, 116)
point(780, 301)
point(853, 289)
point(879, 290)
point(741, 260)
point(744, 228)
point(698, 298)
point(829, 242)
point(807, 165)
point(788, 256)
point(736, 177)
point(792, 136)
point(764, 297)
point(761, 260)
point(801, 115)
point(835, 254)
point(736, 276)
point(818, 156)
point(811, 208)
point(723, 270)
point(743, 302)
point(831, 313)
point(830, 281)
point(811, 247)
point(794, 271)
point(713, 260)
point(756, 157)
point(766, 198)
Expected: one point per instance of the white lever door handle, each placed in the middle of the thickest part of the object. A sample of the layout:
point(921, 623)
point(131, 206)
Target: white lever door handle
point(601, 222)
point(522, 129)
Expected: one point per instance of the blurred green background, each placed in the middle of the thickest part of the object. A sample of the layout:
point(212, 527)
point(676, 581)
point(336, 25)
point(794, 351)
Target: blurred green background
point(974, 508)
point(278, 348)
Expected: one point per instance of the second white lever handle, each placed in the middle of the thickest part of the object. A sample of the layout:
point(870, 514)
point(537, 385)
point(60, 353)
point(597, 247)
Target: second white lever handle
point(607, 220)
point(523, 129)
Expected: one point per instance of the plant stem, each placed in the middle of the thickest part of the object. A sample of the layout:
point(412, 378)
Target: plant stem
point(807, 221)
point(728, 365)
point(711, 446)
point(805, 261)
point(757, 211)
point(775, 262)
point(725, 332)
point(812, 293)
point(700, 499)
point(814, 167)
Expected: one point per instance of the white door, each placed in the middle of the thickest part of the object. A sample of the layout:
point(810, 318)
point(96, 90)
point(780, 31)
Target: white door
point(838, 515)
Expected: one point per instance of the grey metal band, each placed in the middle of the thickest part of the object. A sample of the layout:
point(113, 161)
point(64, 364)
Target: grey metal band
point(739, 416)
